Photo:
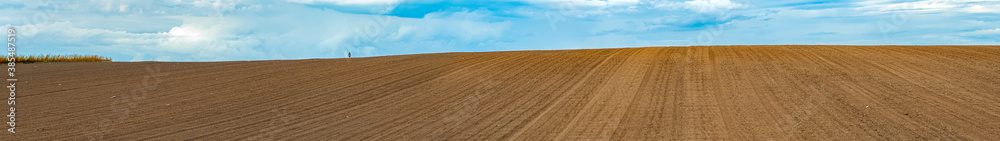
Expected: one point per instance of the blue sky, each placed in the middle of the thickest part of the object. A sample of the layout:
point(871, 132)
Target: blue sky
point(226, 30)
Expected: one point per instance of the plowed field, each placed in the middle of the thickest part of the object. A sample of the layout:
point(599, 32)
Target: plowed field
point(655, 93)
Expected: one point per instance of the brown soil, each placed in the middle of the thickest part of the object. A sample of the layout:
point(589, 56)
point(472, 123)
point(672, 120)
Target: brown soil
point(656, 93)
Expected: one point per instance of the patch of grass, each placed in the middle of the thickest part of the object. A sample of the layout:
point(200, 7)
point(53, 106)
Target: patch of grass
point(58, 58)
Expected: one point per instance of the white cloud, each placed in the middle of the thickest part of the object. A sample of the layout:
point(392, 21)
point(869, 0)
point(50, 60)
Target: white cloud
point(349, 2)
point(701, 6)
point(587, 8)
point(123, 8)
point(196, 40)
point(588, 3)
point(984, 32)
point(928, 6)
point(980, 8)
point(440, 31)
point(711, 6)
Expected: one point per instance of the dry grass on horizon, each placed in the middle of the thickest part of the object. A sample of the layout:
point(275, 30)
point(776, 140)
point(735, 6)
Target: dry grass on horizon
point(58, 58)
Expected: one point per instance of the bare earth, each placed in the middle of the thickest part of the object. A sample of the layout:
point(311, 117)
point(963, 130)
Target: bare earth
point(655, 93)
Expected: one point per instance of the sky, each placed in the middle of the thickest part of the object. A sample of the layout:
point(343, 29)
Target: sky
point(234, 30)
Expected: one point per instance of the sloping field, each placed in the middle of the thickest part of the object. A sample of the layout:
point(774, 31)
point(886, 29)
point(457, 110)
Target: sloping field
point(713, 93)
